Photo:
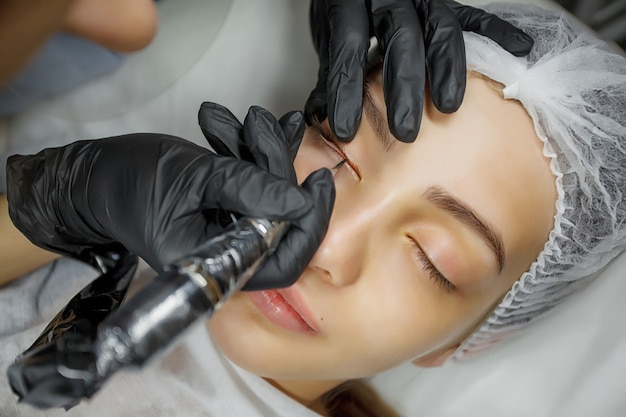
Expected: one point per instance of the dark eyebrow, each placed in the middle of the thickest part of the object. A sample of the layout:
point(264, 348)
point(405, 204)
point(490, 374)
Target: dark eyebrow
point(377, 119)
point(467, 215)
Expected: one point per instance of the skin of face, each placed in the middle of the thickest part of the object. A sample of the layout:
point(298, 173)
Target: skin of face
point(368, 297)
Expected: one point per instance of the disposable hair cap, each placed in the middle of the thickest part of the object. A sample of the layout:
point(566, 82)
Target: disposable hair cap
point(574, 88)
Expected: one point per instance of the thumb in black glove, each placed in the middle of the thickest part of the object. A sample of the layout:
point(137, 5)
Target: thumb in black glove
point(157, 195)
point(272, 145)
point(419, 39)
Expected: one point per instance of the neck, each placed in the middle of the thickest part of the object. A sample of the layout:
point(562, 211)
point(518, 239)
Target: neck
point(306, 392)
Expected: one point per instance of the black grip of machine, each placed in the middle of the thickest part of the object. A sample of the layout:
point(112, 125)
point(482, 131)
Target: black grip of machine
point(59, 368)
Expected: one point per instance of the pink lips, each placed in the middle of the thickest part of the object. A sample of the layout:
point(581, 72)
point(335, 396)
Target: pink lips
point(285, 309)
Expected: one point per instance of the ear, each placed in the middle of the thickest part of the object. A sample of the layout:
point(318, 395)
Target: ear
point(436, 358)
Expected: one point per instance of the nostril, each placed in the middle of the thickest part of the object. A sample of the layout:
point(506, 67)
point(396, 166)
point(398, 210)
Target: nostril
point(321, 273)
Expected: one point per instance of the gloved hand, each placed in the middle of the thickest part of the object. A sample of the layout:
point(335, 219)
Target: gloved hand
point(159, 196)
point(419, 39)
point(271, 145)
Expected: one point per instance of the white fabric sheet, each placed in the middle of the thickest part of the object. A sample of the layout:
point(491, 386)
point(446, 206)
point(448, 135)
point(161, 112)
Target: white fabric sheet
point(571, 363)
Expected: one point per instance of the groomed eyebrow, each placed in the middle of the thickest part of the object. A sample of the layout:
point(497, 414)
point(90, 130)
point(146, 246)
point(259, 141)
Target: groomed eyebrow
point(468, 216)
point(377, 119)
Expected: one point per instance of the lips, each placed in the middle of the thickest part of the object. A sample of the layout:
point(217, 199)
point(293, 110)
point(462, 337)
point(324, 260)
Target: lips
point(285, 309)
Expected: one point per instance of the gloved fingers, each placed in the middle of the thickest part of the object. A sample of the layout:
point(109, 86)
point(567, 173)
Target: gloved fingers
point(445, 57)
point(502, 32)
point(293, 127)
point(399, 33)
point(302, 239)
point(315, 106)
point(244, 188)
point(348, 44)
point(264, 137)
point(222, 130)
point(319, 26)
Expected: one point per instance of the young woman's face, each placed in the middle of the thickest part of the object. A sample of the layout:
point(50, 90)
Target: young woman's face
point(425, 238)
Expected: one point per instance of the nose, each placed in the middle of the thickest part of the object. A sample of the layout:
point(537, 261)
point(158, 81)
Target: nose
point(347, 246)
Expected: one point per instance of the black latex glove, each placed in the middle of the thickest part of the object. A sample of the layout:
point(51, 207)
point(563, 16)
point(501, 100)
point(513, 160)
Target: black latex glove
point(272, 145)
point(160, 196)
point(419, 39)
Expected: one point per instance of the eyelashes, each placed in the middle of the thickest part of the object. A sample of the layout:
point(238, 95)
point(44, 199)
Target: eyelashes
point(432, 271)
point(328, 140)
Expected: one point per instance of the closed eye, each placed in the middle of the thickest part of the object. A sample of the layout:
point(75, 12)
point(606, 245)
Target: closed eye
point(433, 272)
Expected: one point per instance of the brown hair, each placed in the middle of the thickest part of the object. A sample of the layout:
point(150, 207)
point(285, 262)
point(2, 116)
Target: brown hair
point(355, 399)
point(495, 85)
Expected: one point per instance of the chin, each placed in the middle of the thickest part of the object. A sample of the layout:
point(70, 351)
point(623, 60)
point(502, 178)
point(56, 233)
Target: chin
point(250, 343)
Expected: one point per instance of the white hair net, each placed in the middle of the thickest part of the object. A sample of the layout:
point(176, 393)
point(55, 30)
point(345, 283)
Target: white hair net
point(574, 89)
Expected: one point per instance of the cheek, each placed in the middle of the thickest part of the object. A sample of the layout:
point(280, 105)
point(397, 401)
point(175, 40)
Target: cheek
point(305, 163)
point(398, 314)
point(414, 317)
point(227, 326)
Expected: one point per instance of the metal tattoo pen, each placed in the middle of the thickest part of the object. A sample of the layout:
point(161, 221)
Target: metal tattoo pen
point(194, 287)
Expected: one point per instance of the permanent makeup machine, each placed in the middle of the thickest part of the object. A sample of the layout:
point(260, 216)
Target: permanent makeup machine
point(91, 338)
